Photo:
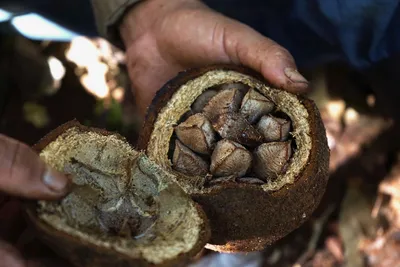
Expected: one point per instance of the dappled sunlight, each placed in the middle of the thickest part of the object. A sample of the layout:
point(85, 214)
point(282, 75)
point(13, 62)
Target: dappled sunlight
point(97, 64)
point(57, 71)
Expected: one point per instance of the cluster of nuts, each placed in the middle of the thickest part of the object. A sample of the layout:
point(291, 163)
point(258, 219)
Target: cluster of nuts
point(232, 132)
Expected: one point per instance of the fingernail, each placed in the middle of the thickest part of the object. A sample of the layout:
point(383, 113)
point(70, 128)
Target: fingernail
point(55, 181)
point(294, 76)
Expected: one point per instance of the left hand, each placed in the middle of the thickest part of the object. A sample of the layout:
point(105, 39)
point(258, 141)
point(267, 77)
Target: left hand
point(24, 175)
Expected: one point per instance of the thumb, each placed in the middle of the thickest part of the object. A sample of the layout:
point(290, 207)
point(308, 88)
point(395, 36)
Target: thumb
point(24, 174)
point(245, 46)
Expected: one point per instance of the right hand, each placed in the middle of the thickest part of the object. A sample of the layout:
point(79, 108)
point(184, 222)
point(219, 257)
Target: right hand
point(163, 37)
point(22, 175)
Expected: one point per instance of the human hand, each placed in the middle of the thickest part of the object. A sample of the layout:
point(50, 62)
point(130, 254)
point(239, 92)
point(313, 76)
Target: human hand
point(163, 37)
point(22, 175)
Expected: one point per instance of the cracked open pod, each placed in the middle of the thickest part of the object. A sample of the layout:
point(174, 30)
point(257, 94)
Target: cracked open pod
point(123, 210)
point(254, 157)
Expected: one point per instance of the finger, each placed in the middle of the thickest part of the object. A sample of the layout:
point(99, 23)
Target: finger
point(245, 46)
point(10, 257)
point(24, 174)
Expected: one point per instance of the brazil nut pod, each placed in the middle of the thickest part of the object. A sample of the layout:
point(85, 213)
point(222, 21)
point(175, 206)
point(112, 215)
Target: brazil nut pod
point(253, 156)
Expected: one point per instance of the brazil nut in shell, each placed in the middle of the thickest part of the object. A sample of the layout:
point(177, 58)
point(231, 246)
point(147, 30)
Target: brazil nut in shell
point(122, 209)
point(253, 156)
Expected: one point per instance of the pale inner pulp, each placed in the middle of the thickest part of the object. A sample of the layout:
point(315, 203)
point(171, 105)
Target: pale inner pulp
point(120, 200)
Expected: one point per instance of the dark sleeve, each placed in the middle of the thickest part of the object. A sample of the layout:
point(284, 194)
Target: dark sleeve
point(358, 32)
point(108, 16)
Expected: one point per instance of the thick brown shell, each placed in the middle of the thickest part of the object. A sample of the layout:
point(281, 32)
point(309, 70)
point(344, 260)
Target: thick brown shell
point(82, 253)
point(243, 217)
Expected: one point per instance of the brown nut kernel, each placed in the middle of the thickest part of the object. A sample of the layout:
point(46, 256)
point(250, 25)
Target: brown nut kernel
point(270, 159)
point(220, 180)
point(234, 127)
point(238, 86)
point(202, 100)
point(187, 162)
point(230, 158)
point(197, 133)
point(226, 101)
point(254, 105)
point(250, 180)
point(273, 128)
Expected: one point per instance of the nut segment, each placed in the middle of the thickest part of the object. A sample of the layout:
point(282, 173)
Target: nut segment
point(202, 100)
point(273, 128)
point(270, 159)
point(186, 161)
point(250, 180)
point(226, 101)
point(197, 134)
point(234, 127)
point(230, 158)
point(254, 105)
point(238, 86)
